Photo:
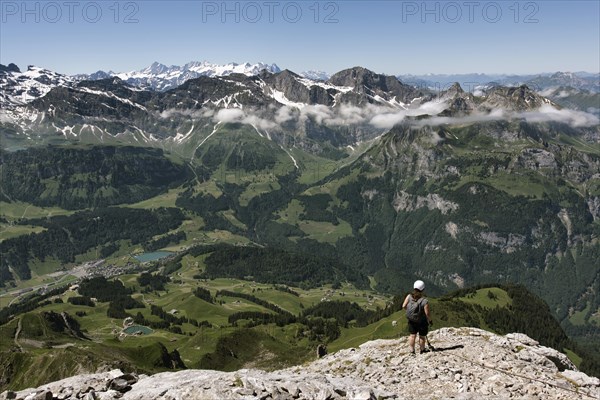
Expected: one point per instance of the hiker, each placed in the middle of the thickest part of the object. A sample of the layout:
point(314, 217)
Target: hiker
point(417, 313)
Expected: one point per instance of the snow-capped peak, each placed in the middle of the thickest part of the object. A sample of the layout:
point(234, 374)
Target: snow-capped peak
point(316, 75)
point(155, 69)
point(18, 87)
point(161, 77)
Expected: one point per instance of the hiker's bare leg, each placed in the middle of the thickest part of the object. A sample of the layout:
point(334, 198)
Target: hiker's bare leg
point(411, 342)
point(422, 342)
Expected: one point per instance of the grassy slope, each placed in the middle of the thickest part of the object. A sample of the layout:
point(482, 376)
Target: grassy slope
point(12, 212)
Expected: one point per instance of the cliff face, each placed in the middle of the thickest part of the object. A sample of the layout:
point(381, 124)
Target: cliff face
point(467, 363)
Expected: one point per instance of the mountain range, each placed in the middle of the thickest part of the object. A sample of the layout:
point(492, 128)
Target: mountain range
point(578, 80)
point(383, 181)
point(161, 77)
point(28, 97)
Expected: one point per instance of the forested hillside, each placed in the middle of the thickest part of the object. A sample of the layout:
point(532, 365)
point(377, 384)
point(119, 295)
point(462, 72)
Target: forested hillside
point(80, 177)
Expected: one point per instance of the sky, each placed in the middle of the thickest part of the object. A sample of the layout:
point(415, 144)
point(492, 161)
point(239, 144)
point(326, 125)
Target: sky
point(391, 37)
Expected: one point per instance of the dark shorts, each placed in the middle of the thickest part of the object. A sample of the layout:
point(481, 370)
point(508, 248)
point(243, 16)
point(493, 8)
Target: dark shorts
point(421, 327)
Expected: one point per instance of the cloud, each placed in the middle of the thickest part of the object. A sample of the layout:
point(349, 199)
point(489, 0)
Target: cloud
point(556, 92)
point(593, 110)
point(193, 114)
point(571, 117)
point(318, 112)
point(237, 115)
point(5, 118)
point(258, 122)
point(546, 113)
point(285, 114)
point(387, 119)
point(348, 114)
point(229, 115)
point(376, 117)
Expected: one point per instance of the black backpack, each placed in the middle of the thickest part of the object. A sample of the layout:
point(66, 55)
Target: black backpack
point(415, 309)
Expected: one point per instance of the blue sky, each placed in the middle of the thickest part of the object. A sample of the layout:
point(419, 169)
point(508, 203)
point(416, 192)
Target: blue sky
point(392, 37)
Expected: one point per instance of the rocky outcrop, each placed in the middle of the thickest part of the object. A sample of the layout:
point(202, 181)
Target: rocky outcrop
point(594, 207)
point(535, 159)
point(467, 363)
point(506, 244)
point(520, 98)
point(290, 84)
point(459, 102)
point(407, 202)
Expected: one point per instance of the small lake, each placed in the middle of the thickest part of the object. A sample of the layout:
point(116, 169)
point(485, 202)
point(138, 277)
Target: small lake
point(133, 329)
point(155, 255)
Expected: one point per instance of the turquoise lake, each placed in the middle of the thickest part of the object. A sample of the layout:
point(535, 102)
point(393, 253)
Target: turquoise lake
point(133, 329)
point(155, 255)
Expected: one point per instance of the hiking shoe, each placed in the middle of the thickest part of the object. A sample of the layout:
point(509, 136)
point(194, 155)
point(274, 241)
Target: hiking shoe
point(424, 351)
point(412, 353)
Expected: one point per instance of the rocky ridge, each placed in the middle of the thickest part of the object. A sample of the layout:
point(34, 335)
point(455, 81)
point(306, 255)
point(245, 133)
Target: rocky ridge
point(467, 363)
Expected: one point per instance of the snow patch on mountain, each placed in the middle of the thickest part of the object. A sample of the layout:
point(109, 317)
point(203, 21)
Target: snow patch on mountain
point(18, 88)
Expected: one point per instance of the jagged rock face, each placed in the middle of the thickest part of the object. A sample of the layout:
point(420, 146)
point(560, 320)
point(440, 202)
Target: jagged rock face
point(9, 68)
point(407, 202)
point(367, 84)
point(594, 206)
point(290, 84)
point(410, 152)
point(467, 363)
point(459, 102)
point(520, 98)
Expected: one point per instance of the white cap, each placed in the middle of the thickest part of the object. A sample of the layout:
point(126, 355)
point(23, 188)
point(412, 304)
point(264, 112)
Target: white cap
point(419, 285)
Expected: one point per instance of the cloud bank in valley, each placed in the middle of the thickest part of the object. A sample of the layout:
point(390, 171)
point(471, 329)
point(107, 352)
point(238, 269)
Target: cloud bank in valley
point(377, 117)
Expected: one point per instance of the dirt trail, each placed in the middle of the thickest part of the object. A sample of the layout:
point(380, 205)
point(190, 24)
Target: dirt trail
point(17, 333)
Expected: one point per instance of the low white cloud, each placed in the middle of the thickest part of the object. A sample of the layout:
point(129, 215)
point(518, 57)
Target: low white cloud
point(387, 119)
point(554, 93)
point(5, 118)
point(318, 112)
point(258, 122)
point(237, 115)
point(193, 114)
point(593, 110)
point(348, 114)
point(285, 114)
point(467, 119)
point(229, 115)
point(547, 92)
point(546, 113)
point(377, 117)
point(571, 117)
